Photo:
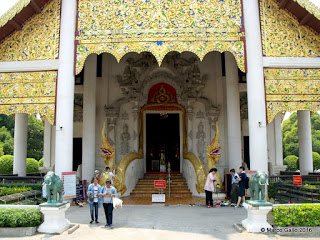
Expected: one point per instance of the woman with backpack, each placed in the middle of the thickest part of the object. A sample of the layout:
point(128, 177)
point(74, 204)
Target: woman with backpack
point(94, 199)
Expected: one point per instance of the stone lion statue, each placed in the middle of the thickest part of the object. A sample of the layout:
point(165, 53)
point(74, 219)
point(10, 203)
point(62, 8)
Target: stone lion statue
point(54, 187)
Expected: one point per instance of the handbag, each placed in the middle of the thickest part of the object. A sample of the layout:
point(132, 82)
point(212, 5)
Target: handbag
point(117, 203)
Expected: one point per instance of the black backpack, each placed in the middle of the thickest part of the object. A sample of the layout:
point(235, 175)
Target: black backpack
point(246, 184)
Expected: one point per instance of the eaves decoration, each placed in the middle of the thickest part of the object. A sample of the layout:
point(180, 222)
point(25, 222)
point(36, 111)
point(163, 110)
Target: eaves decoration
point(28, 92)
point(291, 90)
point(159, 26)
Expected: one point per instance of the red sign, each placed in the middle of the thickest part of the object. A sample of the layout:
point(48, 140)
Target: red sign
point(160, 183)
point(297, 180)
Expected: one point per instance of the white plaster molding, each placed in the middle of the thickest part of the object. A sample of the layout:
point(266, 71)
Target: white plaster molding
point(291, 62)
point(29, 66)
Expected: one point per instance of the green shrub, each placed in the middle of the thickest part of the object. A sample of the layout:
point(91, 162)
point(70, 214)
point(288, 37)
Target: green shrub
point(292, 162)
point(20, 217)
point(6, 164)
point(32, 165)
point(306, 215)
point(41, 162)
point(4, 191)
point(33, 186)
point(316, 160)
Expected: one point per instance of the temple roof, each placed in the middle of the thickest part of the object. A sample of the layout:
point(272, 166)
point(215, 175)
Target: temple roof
point(305, 11)
point(17, 15)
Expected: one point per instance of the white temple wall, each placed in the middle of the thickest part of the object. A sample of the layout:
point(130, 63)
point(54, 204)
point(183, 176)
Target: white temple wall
point(134, 172)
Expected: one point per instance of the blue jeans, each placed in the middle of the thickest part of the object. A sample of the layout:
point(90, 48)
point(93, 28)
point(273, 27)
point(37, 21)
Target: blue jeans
point(108, 209)
point(95, 207)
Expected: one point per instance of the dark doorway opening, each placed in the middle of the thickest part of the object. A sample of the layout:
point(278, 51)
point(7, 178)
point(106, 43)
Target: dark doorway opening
point(77, 153)
point(246, 152)
point(162, 142)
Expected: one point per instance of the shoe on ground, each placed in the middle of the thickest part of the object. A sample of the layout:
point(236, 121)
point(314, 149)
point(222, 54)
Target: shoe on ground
point(91, 221)
point(208, 206)
point(97, 221)
point(107, 225)
point(213, 206)
point(111, 226)
point(236, 207)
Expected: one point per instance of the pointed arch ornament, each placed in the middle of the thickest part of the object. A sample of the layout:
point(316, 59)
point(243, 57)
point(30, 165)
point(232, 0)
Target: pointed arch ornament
point(159, 27)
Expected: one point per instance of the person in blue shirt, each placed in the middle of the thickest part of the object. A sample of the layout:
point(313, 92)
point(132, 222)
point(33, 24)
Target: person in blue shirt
point(94, 199)
point(108, 193)
point(242, 181)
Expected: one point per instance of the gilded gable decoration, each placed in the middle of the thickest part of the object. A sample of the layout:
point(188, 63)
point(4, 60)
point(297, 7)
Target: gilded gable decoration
point(291, 90)
point(38, 39)
point(159, 26)
point(310, 7)
point(283, 35)
point(28, 92)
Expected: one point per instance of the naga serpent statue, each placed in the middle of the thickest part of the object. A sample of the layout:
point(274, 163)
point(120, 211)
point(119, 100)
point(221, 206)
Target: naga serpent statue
point(213, 154)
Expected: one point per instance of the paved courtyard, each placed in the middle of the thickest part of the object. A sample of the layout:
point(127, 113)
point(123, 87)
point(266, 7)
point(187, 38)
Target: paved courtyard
point(161, 222)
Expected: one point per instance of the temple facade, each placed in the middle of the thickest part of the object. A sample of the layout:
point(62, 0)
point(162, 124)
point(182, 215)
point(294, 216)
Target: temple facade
point(143, 85)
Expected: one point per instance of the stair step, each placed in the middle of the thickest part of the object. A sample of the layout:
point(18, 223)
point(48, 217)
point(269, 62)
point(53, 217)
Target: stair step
point(171, 195)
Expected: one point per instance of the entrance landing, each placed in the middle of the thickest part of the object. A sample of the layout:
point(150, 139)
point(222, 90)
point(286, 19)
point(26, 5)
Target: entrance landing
point(169, 201)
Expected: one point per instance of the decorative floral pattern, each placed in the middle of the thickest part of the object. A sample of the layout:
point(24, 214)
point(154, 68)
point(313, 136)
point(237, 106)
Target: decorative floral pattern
point(159, 26)
point(283, 35)
point(28, 92)
point(38, 39)
point(310, 7)
point(291, 90)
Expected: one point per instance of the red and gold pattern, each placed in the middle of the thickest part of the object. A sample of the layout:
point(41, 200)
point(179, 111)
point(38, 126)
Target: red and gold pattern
point(162, 93)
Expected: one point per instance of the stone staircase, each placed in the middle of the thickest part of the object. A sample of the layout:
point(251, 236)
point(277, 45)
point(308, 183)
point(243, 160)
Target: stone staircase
point(145, 186)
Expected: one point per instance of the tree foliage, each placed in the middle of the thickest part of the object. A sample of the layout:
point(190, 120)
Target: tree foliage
point(35, 136)
point(290, 134)
point(292, 162)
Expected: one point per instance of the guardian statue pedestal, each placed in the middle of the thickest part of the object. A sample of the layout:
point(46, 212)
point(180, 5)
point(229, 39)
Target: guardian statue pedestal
point(54, 218)
point(257, 216)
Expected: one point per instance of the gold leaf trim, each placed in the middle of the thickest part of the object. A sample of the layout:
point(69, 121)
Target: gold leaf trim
point(13, 11)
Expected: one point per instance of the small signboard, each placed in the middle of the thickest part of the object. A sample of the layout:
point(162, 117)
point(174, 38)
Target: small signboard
point(158, 198)
point(297, 180)
point(159, 183)
point(69, 185)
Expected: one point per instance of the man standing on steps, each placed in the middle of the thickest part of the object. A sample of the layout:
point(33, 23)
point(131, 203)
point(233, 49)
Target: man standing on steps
point(242, 181)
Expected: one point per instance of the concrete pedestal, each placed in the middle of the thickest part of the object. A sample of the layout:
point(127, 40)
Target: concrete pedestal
point(257, 218)
point(54, 218)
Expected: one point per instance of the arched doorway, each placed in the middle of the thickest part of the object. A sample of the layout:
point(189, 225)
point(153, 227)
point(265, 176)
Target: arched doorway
point(163, 125)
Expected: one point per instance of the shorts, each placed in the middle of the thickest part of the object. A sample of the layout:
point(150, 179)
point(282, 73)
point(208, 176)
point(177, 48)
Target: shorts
point(241, 191)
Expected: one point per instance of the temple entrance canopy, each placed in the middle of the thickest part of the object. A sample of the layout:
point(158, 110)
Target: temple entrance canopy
point(159, 27)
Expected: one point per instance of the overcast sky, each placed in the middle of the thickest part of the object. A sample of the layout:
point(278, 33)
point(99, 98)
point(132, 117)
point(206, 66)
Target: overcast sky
point(6, 4)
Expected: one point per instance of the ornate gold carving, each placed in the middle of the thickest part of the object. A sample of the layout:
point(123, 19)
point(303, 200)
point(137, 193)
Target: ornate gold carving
point(213, 153)
point(38, 39)
point(283, 36)
point(13, 11)
point(107, 150)
point(28, 92)
point(199, 169)
point(159, 26)
point(291, 90)
point(120, 179)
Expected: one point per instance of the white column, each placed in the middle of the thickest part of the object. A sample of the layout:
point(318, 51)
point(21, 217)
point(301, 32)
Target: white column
point(279, 148)
point(20, 144)
point(65, 88)
point(233, 112)
point(271, 146)
point(255, 88)
point(89, 118)
point(46, 144)
point(53, 148)
point(305, 142)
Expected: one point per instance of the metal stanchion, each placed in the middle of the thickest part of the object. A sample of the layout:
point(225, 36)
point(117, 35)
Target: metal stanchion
point(169, 177)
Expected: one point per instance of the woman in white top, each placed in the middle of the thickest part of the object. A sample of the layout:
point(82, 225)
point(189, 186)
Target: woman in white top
point(94, 199)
